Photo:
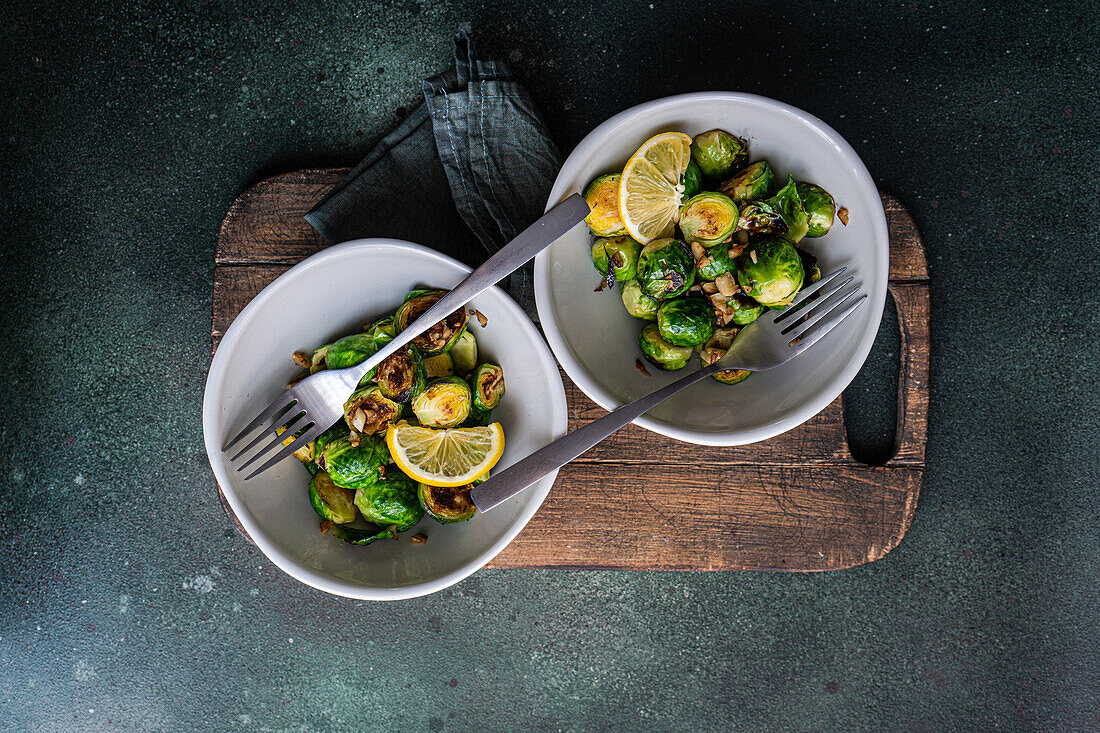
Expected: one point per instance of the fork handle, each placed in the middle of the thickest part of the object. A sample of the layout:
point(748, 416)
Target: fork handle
point(528, 243)
point(519, 476)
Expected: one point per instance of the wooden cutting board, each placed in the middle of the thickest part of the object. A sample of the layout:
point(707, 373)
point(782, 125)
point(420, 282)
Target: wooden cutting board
point(641, 501)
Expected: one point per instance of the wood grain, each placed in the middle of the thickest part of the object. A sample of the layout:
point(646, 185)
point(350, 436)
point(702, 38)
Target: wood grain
point(798, 501)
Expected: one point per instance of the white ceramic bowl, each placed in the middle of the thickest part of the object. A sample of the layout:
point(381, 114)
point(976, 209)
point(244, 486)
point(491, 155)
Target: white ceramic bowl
point(328, 295)
point(594, 338)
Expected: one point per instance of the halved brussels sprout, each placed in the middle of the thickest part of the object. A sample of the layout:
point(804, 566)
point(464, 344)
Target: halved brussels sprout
point(661, 353)
point(717, 152)
point(620, 253)
point(752, 183)
point(715, 348)
point(487, 384)
point(819, 206)
point(355, 466)
point(692, 179)
point(666, 268)
point(770, 272)
point(708, 218)
point(637, 303)
point(350, 350)
point(330, 501)
point(686, 321)
point(602, 196)
point(390, 501)
point(401, 376)
point(445, 403)
point(464, 353)
point(809, 265)
point(447, 505)
point(716, 262)
point(369, 411)
point(356, 536)
point(477, 418)
point(745, 309)
point(440, 365)
point(440, 337)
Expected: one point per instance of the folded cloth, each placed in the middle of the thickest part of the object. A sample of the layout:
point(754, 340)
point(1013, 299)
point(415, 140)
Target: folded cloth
point(464, 173)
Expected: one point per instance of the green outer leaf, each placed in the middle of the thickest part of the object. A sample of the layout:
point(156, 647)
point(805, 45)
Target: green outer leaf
point(350, 350)
point(788, 204)
point(718, 262)
point(692, 180)
point(339, 430)
point(390, 501)
point(330, 501)
point(686, 321)
point(362, 537)
point(353, 467)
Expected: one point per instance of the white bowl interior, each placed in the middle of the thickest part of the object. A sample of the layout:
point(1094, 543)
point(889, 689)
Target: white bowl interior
point(596, 340)
point(330, 295)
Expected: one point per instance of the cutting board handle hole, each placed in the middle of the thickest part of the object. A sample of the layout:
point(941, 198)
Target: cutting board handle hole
point(871, 400)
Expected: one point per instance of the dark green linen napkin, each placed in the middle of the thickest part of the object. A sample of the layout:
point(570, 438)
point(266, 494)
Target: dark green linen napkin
point(469, 169)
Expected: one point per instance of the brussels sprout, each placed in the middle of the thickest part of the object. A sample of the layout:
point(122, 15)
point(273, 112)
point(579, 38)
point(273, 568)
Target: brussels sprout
point(445, 403)
point(622, 255)
point(745, 309)
point(477, 418)
point(809, 265)
point(356, 536)
point(637, 303)
point(692, 180)
point(487, 384)
point(819, 206)
point(661, 353)
point(666, 268)
point(447, 505)
point(788, 204)
point(686, 321)
point(717, 152)
point(758, 217)
point(770, 272)
point(464, 353)
point(390, 501)
point(317, 363)
point(339, 430)
point(440, 337)
point(717, 262)
point(752, 183)
point(708, 218)
point(715, 348)
point(354, 466)
point(349, 351)
point(401, 375)
point(440, 365)
point(602, 196)
point(369, 411)
point(330, 501)
point(382, 331)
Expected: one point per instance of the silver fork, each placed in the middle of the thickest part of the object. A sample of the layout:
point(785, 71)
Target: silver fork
point(767, 342)
point(317, 402)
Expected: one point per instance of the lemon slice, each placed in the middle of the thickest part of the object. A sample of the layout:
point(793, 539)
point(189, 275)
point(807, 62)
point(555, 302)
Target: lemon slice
point(650, 191)
point(445, 457)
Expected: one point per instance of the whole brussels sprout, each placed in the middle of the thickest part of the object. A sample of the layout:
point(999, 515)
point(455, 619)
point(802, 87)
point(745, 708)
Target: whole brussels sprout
point(339, 430)
point(330, 501)
point(716, 262)
point(447, 504)
point(637, 303)
point(487, 386)
point(620, 253)
point(752, 183)
point(708, 218)
point(350, 350)
point(369, 411)
point(717, 152)
point(666, 268)
point(362, 537)
point(440, 337)
point(819, 206)
point(354, 466)
point(686, 321)
point(745, 309)
point(602, 197)
point(464, 353)
point(715, 348)
point(391, 501)
point(692, 180)
point(661, 353)
point(445, 403)
point(401, 375)
point(781, 214)
point(770, 272)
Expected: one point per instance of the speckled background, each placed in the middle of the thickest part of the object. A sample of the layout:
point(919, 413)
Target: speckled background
point(128, 601)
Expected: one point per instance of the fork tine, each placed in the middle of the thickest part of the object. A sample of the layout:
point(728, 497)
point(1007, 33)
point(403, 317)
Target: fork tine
point(280, 404)
point(270, 431)
point(806, 293)
point(309, 435)
point(814, 337)
point(815, 313)
point(291, 428)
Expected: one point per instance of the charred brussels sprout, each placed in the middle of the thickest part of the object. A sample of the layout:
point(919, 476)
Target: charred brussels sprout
point(752, 183)
point(692, 180)
point(717, 152)
point(715, 348)
point(661, 353)
point(708, 218)
point(666, 268)
point(819, 206)
point(788, 204)
point(445, 403)
point(447, 504)
point(353, 466)
point(686, 321)
point(487, 385)
point(809, 265)
point(330, 501)
point(602, 196)
point(349, 351)
point(716, 262)
point(440, 365)
point(619, 254)
point(369, 411)
point(464, 353)
point(440, 337)
point(391, 501)
point(401, 375)
point(770, 272)
point(356, 536)
point(637, 303)
point(745, 309)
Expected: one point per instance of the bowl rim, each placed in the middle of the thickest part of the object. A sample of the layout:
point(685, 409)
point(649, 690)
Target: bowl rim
point(576, 371)
point(557, 417)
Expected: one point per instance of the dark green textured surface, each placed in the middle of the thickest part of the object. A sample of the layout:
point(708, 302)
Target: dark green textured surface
point(128, 600)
